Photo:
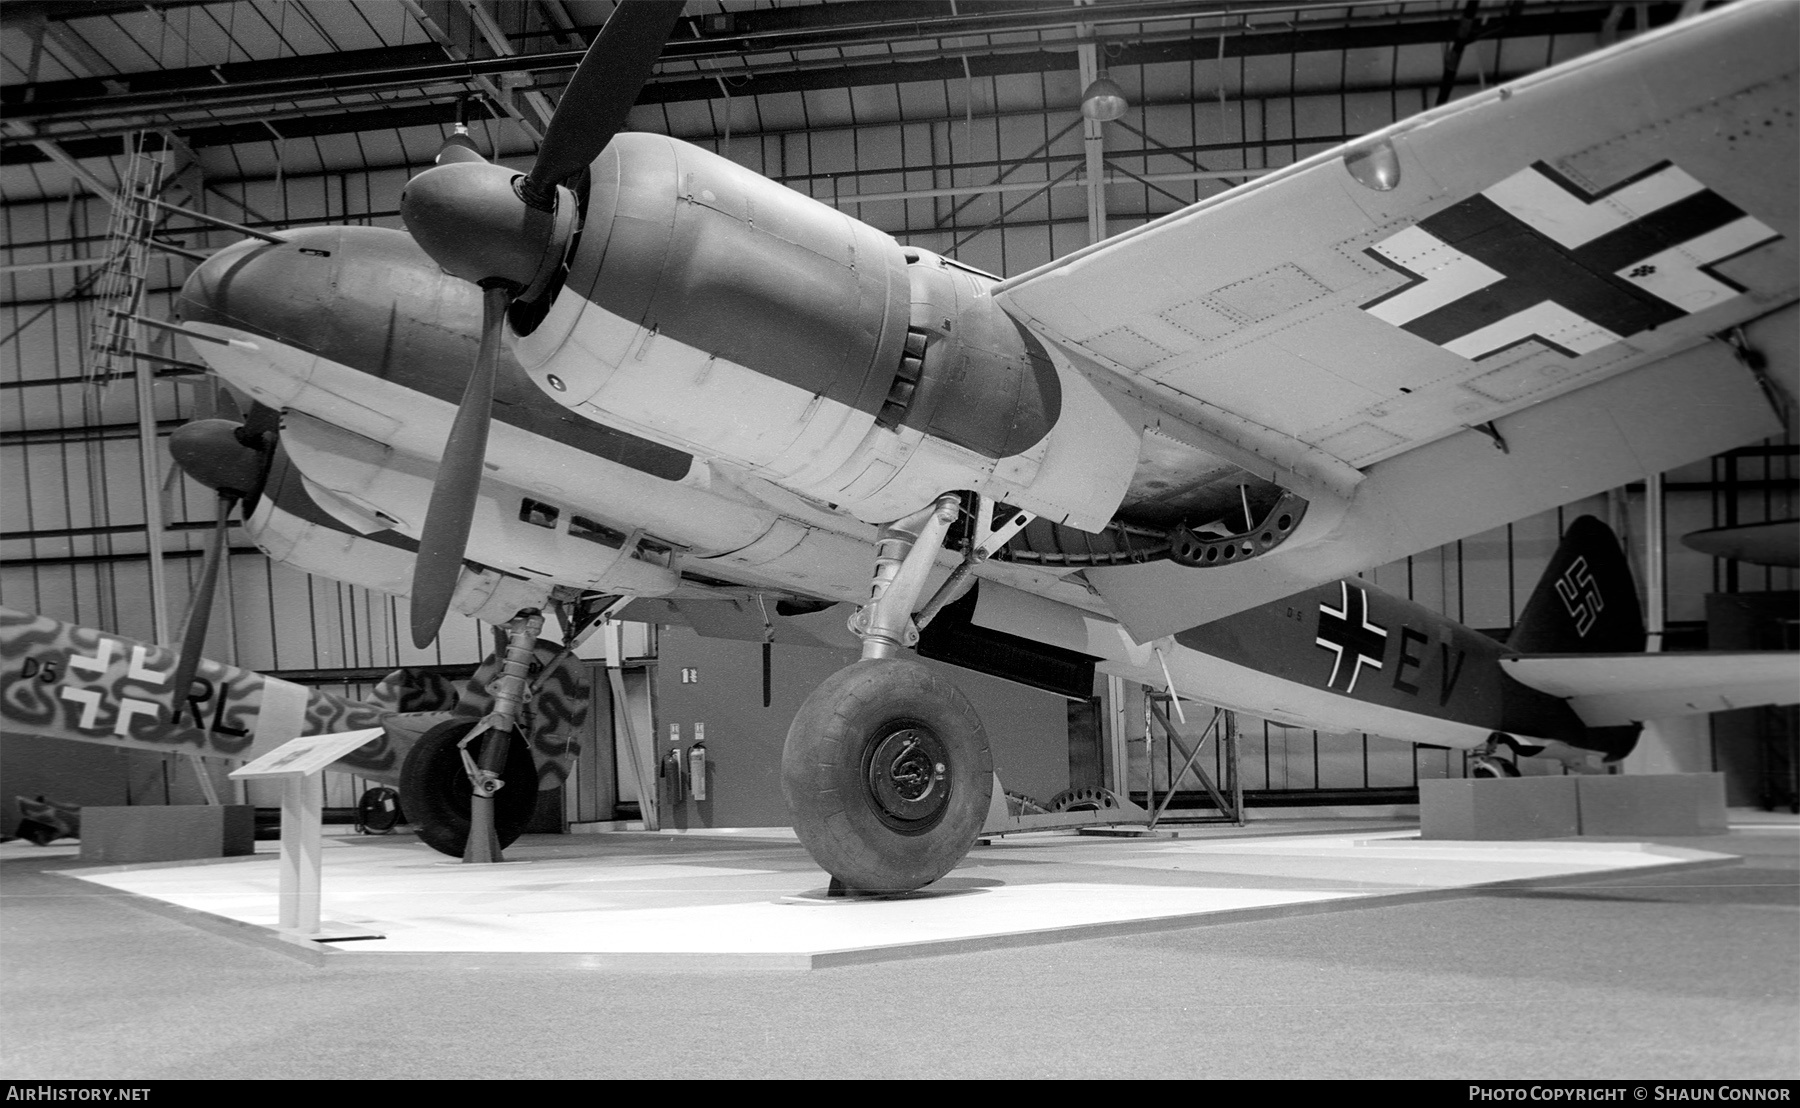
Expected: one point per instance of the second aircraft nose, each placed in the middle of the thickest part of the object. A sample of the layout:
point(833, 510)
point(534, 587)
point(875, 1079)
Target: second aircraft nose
point(278, 290)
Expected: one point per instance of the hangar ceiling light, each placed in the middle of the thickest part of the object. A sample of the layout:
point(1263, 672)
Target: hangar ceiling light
point(1103, 100)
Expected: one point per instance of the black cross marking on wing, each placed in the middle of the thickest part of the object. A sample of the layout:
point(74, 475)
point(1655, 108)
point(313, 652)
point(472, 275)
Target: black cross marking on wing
point(1582, 279)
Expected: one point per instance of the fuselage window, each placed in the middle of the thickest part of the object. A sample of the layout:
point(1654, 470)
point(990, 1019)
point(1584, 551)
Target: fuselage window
point(581, 527)
point(538, 513)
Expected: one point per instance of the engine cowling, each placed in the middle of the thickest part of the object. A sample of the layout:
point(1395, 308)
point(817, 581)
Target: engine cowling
point(715, 310)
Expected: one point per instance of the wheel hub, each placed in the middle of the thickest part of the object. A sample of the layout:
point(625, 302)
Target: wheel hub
point(907, 772)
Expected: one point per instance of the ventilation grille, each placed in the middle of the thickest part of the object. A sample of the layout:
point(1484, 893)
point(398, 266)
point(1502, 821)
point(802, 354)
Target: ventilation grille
point(906, 381)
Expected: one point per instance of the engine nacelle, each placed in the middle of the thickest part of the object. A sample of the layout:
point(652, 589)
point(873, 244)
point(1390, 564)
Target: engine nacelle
point(712, 309)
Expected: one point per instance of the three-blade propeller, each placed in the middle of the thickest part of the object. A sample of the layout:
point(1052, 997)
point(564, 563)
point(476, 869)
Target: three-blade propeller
point(510, 237)
point(232, 459)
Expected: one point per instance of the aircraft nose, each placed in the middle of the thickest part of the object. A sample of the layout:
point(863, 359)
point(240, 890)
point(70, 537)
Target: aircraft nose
point(277, 290)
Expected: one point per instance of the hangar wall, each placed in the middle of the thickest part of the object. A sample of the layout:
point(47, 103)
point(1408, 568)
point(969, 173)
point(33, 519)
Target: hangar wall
point(717, 684)
point(988, 170)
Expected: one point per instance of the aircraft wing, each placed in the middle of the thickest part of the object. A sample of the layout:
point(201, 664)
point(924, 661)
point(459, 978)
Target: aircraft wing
point(1485, 311)
point(1610, 689)
point(1776, 543)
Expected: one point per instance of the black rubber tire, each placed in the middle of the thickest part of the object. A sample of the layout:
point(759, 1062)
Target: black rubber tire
point(919, 720)
point(378, 811)
point(435, 791)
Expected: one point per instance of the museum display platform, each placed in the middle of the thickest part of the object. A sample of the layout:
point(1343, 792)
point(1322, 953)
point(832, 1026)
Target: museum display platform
point(754, 900)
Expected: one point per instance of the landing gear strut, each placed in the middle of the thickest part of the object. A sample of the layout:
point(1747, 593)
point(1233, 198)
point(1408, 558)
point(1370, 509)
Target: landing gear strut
point(886, 768)
point(500, 758)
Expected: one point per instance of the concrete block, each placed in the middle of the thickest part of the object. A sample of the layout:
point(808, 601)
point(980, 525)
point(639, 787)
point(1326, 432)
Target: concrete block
point(1653, 804)
point(166, 833)
point(1502, 808)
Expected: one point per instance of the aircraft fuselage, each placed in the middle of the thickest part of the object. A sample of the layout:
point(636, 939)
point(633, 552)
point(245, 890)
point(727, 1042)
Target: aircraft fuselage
point(731, 384)
point(1341, 657)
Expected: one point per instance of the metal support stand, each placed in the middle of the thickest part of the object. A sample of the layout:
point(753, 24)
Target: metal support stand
point(1655, 576)
point(640, 748)
point(302, 812)
point(1093, 134)
point(1231, 810)
point(1234, 780)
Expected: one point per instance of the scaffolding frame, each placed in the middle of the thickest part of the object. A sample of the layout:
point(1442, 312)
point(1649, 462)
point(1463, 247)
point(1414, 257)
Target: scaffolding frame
point(1223, 724)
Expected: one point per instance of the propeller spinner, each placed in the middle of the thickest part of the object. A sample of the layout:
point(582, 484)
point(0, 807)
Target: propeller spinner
point(232, 459)
point(508, 233)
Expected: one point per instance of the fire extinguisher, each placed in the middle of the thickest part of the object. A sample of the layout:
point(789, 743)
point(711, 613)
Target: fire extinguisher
point(672, 768)
point(697, 769)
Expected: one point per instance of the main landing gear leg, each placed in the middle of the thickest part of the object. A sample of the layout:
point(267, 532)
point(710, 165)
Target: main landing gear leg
point(452, 784)
point(496, 731)
point(904, 554)
point(886, 768)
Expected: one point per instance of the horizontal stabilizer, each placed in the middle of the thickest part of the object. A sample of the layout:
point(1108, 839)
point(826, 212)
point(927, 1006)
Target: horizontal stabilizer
point(1763, 544)
point(1611, 689)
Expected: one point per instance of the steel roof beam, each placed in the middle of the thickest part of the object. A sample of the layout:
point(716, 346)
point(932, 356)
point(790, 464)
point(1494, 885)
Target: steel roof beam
point(834, 75)
point(784, 77)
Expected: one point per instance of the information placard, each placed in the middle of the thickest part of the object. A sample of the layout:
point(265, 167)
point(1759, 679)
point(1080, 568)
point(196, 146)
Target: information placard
point(307, 754)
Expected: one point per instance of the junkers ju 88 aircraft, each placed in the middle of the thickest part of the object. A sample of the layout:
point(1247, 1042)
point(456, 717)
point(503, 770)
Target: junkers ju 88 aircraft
point(641, 370)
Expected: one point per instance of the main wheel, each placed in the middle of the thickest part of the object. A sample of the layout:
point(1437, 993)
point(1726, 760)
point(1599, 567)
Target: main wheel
point(378, 811)
point(887, 773)
point(1494, 768)
point(435, 791)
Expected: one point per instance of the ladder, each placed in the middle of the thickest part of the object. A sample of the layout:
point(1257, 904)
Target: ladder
point(113, 330)
point(112, 352)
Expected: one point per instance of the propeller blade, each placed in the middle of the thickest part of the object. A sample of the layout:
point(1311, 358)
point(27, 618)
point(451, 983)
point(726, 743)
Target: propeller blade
point(458, 148)
point(262, 421)
point(604, 88)
point(193, 636)
point(229, 403)
point(447, 520)
point(166, 494)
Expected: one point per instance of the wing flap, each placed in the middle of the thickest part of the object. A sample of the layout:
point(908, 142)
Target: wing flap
point(1611, 689)
point(1683, 408)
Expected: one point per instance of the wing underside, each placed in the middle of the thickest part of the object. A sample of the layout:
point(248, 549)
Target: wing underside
point(1610, 689)
point(1381, 350)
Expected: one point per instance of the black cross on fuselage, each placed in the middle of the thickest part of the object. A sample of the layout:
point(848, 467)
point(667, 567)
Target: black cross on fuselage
point(1581, 279)
point(1351, 637)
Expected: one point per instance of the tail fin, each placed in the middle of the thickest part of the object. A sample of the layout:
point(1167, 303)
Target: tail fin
point(1586, 602)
